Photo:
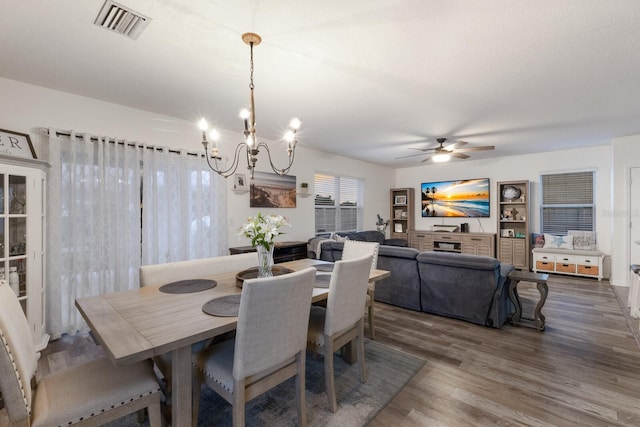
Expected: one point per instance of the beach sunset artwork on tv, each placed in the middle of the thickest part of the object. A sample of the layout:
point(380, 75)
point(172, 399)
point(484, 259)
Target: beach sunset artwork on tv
point(463, 198)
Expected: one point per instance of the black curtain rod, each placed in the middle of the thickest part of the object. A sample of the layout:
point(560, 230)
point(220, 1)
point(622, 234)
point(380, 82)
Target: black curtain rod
point(123, 142)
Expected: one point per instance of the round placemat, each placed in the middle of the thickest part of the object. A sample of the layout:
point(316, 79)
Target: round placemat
point(322, 281)
point(324, 267)
point(188, 286)
point(226, 306)
point(252, 273)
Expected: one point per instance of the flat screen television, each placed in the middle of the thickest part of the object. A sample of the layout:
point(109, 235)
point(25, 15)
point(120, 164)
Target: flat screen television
point(467, 198)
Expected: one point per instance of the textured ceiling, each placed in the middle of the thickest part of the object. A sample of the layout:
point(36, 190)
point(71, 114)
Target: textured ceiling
point(368, 78)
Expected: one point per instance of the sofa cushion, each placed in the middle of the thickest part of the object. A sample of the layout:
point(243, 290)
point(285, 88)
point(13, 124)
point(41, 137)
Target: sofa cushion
point(468, 287)
point(459, 260)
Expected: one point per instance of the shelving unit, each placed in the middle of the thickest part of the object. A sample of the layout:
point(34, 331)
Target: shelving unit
point(513, 224)
point(402, 212)
point(22, 237)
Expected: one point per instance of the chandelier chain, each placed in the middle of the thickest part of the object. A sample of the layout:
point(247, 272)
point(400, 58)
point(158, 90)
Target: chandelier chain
point(251, 69)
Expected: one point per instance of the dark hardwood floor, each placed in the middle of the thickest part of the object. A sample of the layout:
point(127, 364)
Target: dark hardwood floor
point(583, 370)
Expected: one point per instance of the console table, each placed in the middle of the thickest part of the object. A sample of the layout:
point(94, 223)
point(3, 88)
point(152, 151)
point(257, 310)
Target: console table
point(540, 279)
point(282, 252)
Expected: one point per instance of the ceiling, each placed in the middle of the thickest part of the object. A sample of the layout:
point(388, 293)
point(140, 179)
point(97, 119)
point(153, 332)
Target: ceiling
point(368, 78)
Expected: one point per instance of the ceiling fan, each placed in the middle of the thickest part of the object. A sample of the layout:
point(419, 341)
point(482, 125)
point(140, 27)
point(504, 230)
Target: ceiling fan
point(443, 153)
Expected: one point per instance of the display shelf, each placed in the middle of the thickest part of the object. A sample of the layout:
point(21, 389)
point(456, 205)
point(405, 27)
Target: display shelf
point(513, 223)
point(401, 214)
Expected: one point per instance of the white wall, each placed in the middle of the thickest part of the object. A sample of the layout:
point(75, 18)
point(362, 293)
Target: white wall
point(527, 167)
point(626, 154)
point(25, 108)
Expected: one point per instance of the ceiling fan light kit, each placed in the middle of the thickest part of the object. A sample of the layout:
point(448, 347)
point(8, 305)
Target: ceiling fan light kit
point(441, 157)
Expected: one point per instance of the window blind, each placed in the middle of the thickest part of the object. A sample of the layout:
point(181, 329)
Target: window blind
point(338, 203)
point(567, 202)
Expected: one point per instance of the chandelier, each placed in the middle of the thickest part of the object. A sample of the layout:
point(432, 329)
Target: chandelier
point(250, 146)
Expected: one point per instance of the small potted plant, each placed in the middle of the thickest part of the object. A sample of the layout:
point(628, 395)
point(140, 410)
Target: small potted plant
point(304, 187)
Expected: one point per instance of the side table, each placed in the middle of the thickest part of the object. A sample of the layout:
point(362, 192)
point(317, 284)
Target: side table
point(540, 279)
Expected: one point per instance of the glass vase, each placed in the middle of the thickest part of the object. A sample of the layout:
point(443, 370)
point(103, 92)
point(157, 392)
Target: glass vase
point(265, 261)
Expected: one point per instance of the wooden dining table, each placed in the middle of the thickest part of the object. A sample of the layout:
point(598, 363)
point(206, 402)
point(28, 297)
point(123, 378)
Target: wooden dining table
point(141, 323)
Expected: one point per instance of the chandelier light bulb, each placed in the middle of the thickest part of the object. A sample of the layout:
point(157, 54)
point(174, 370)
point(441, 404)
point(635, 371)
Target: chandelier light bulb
point(214, 135)
point(203, 125)
point(295, 123)
point(289, 136)
point(244, 114)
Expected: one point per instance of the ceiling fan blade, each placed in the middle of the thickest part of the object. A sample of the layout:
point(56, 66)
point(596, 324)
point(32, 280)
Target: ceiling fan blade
point(425, 159)
point(467, 149)
point(459, 155)
point(455, 145)
point(422, 149)
point(410, 155)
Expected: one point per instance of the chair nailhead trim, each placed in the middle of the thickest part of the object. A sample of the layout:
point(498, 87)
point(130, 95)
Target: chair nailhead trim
point(114, 406)
point(15, 368)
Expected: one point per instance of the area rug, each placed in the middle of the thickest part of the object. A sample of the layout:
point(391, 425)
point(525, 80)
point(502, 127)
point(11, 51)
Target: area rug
point(388, 369)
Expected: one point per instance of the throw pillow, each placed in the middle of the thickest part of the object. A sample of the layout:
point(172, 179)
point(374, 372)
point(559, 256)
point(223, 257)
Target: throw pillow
point(338, 238)
point(558, 242)
point(583, 240)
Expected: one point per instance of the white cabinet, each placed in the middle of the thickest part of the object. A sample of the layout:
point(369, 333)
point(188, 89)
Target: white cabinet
point(22, 237)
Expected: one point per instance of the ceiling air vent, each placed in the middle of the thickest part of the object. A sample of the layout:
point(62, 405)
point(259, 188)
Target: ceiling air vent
point(120, 19)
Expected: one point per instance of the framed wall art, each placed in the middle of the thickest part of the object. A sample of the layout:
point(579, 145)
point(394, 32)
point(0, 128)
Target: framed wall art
point(16, 144)
point(270, 190)
point(400, 200)
point(240, 182)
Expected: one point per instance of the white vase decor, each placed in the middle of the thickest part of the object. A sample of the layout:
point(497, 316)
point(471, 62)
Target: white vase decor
point(262, 230)
point(14, 280)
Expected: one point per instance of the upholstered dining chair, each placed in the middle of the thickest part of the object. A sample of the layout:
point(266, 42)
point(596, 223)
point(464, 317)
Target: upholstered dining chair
point(355, 249)
point(89, 394)
point(341, 321)
point(161, 274)
point(269, 347)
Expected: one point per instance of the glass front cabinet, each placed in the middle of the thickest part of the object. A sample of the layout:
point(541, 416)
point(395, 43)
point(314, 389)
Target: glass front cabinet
point(22, 238)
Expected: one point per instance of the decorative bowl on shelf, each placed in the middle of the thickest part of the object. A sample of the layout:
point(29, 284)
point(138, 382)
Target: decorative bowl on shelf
point(510, 192)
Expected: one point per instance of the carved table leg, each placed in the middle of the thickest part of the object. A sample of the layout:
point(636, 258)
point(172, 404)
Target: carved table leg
point(515, 299)
point(538, 316)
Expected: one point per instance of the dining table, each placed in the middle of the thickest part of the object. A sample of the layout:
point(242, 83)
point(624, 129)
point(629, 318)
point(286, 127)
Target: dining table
point(141, 323)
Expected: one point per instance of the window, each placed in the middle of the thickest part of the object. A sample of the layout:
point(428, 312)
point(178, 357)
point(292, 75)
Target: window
point(338, 203)
point(567, 202)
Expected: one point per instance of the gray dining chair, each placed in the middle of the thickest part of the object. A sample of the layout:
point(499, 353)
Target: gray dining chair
point(92, 393)
point(269, 347)
point(162, 274)
point(356, 249)
point(341, 321)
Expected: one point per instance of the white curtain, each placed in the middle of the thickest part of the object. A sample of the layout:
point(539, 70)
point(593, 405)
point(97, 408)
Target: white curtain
point(184, 208)
point(93, 224)
point(111, 207)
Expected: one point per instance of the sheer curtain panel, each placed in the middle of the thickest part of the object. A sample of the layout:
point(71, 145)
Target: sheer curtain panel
point(183, 209)
point(93, 212)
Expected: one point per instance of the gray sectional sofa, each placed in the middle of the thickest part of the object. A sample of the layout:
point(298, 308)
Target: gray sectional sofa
point(468, 287)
